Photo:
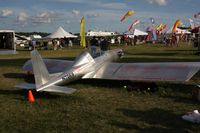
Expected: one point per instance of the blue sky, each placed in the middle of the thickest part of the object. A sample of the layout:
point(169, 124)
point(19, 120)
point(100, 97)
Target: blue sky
point(47, 15)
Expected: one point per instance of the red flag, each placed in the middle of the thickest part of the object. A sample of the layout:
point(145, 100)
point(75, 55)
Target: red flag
point(133, 24)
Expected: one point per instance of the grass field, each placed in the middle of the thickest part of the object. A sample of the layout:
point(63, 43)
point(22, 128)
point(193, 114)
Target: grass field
point(98, 105)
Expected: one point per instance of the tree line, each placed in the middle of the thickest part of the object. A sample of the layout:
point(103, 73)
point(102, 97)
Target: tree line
point(43, 34)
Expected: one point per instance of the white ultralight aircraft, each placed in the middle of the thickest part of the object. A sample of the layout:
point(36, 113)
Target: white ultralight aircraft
point(51, 73)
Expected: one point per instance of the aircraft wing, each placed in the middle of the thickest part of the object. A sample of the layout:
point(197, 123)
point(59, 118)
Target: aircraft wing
point(169, 71)
point(53, 65)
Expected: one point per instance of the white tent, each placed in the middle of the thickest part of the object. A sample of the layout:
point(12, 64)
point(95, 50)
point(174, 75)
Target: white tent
point(179, 31)
point(139, 33)
point(61, 33)
point(100, 33)
point(136, 32)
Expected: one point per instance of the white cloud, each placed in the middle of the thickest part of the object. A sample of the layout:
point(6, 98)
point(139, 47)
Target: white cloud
point(6, 12)
point(68, 22)
point(158, 2)
point(93, 15)
point(113, 5)
point(22, 17)
point(75, 12)
point(68, 1)
point(97, 3)
point(45, 17)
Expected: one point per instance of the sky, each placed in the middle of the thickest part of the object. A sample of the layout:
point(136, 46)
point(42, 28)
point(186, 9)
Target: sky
point(104, 15)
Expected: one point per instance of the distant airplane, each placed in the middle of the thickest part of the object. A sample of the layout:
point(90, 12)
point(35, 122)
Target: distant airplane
point(51, 73)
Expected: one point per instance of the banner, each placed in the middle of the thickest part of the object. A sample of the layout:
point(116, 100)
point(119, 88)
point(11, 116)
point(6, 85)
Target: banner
point(176, 24)
point(133, 24)
point(82, 32)
point(129, 13)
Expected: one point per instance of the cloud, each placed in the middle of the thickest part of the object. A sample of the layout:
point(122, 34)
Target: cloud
point(93, 15)
point(158, 2)
point(45, 17)
point(75, 12)
point(68, 1)
point(114, 5)
point(22, 18)
point(68, 22)
point(6, 12)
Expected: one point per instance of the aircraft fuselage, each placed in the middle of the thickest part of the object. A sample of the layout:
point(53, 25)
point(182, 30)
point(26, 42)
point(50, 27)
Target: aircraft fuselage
point(82, 66)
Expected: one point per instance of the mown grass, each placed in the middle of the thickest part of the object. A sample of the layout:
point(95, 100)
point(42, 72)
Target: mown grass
point(98, 105)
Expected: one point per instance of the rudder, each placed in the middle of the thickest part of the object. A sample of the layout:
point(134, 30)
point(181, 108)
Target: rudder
point(40, 71)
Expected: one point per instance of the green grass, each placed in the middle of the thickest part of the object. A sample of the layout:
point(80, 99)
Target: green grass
point(98, 105)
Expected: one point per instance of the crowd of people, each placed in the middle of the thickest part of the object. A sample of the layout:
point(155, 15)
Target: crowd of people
point(100, 44)
point(56, 44)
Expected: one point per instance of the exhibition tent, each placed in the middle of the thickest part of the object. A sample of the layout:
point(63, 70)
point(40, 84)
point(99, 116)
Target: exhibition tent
point(139, 33)
point(136, 32)
point(179, 31)
point(61, 33)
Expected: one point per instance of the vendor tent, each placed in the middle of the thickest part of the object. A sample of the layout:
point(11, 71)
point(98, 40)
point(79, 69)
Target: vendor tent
point(61, 33)
point(139, 33)
point(100, 33)
point(136, 32)
point(179, 31)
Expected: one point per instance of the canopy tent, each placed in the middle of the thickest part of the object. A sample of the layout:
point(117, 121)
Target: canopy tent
point(139, 33)
point(179, 31)
point(61, 33)
point(100, 33)
point(136, 32)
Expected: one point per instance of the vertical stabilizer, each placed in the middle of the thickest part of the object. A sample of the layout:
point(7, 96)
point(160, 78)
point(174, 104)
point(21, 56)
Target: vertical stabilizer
point(40, 71)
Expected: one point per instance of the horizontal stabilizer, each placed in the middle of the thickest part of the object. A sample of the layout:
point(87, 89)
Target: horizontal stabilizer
point(52, 88)
point(59, 89)
point(26, 86)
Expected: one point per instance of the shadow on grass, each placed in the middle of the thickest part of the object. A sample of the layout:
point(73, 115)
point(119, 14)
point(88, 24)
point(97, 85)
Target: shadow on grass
point(37, 95)
point(14, 75)
point(154, 120)
point(25, 92)
point(151, 60)
point(103, 83)
point(13, 62)
point(27, 78)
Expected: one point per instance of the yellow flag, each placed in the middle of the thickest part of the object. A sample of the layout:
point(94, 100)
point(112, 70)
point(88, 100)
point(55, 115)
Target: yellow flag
point(82, 32)
point(129, 13)
point(176, 24)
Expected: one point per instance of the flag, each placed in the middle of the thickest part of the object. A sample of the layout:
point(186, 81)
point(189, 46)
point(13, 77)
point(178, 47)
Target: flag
point(82, 32)
point(154, 34)
point(133, 24)
point(129, 13)
point(191, 23)
point(176, 24)
point(197, 15)
point(152, 20)
point(161, 27)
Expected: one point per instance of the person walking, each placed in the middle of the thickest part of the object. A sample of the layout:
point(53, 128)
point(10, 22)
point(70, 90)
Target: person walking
point(94, 44)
